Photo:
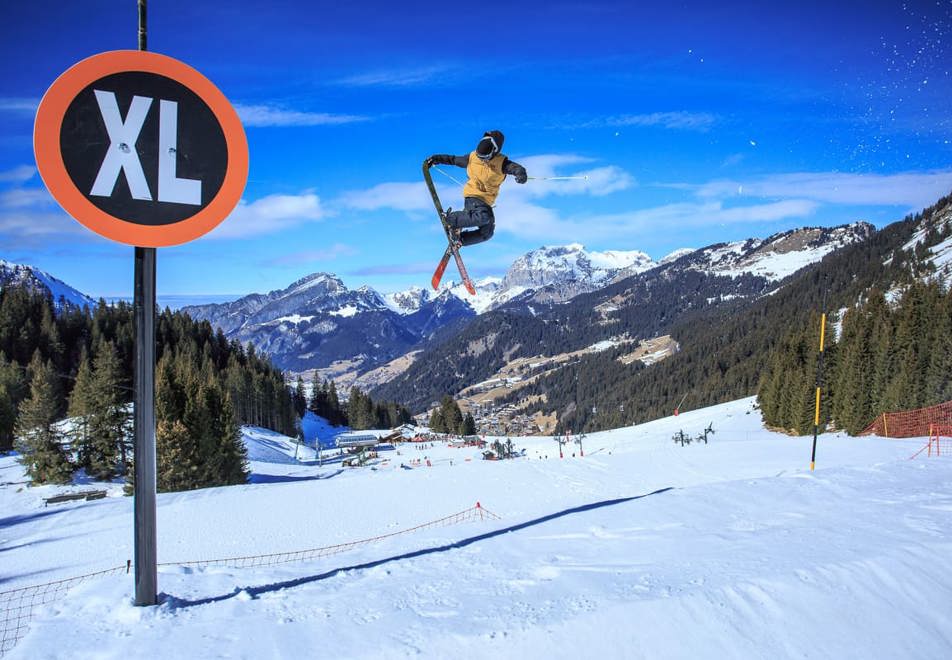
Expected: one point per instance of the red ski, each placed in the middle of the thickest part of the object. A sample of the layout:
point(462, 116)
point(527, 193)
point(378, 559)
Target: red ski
point(453, 248)
point(440, 269)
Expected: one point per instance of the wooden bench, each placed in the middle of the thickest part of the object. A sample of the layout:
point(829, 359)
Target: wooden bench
point(67, 497)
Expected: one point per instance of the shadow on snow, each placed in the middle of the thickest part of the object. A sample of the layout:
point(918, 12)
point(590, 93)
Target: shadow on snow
point(286, 478)
point(254, 592)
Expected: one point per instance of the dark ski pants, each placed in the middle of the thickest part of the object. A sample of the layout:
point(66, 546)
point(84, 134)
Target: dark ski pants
point(476, 213)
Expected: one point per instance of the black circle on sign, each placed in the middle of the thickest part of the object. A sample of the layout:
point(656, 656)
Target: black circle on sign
point(201, 151)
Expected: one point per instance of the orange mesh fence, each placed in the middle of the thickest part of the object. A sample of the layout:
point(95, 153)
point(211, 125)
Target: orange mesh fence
point(18, 606)
point(910, 423)
point(936, 436)
point(475, 513)
point(940, 438)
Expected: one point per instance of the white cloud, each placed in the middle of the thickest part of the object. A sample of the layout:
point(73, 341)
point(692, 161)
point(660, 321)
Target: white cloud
point(27, 214)
point(531, 211)
point(678, 121)
point(396, 77)
point(29, 217)
point(25, 198)
point(20, 174)
point(530, 221)
point(30, 228)
point(595, 181)
point(690, 121)
point(533, 222)
point(414, 197)
point(269, 215)
point(406, 197)
point(266, 115)
point(15, 104)
point(913, 190)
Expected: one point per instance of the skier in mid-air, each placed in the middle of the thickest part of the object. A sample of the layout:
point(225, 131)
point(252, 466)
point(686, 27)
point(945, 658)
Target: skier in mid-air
point(486, 168)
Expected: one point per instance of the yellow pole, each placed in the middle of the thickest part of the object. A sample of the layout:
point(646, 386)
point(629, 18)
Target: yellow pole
point(885, 428)
point(819, 370)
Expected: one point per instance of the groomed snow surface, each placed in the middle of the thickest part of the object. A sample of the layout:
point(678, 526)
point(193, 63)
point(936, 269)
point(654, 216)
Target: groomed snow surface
point(641, 549)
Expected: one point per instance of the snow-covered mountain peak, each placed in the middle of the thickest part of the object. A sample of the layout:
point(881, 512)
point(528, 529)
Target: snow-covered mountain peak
point(677, 254)
point(325, 282)
point(407, 301)
point(560, 265)
point(39, 280)
point(618, 259)
point(780, 255)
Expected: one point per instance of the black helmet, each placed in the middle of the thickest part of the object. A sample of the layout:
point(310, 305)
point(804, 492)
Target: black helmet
point(490, 144)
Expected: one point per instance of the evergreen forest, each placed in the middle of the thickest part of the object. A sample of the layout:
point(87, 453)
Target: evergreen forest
point(887, 357)
point(78, 363)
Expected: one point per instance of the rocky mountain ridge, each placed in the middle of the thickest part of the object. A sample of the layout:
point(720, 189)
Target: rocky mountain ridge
point(317, 321)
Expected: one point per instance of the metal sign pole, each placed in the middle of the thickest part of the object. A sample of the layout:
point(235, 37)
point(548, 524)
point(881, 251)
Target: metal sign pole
point(144, 425)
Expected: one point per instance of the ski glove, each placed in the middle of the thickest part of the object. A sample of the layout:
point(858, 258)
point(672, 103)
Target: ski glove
point(441, 159)
point(515, 170)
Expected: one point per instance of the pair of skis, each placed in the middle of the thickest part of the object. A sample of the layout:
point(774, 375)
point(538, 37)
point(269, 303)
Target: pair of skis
point(453, 247)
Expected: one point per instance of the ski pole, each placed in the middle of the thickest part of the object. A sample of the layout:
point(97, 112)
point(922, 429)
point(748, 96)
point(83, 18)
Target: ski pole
point(448, 176)
point(557, 178)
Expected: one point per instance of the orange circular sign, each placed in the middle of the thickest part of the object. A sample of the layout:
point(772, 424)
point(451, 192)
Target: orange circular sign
point(141, 148)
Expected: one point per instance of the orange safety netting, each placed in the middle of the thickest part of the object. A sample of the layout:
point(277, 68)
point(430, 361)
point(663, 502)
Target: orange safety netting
point(910, 423)
point(936, 435)
point(18, 606)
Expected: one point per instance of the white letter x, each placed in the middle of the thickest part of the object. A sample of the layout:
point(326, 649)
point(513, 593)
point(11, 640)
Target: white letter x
point(122, 155)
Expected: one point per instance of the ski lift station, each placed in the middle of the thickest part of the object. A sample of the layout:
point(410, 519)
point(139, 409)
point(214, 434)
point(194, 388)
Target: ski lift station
point(357, 440)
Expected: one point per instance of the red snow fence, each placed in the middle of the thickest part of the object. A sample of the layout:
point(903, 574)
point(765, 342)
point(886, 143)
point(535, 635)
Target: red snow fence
point(18, 606)
point(910, 423)
point(936, 433)
point(472, 514)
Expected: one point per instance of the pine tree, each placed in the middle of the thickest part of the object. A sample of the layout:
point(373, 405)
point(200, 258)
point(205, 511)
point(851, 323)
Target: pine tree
point(939, 370)
point(300, 398)
point(452, 416)
point(360, 410)
point(11, 393)
point(224, 456)
point(902, 388)
point(469, 425)
point(803, 378)
point(335, 414)
point(177, 457)
point(771, 384)
point(50, 343)
point(318, 402)
point(110, 420)
point(881, 346)
point(8, 417)
point(392, 415)
point(39, 441)
point(81, 411)
point(852, 375)
point(437, 423)
point(234, 454)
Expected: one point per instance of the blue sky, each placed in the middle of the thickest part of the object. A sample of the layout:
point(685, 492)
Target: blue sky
point(695, 122)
